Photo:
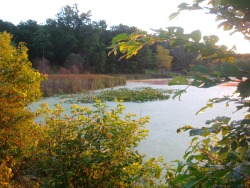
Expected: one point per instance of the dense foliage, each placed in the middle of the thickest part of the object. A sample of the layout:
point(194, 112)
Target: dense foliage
point(48, 148)
point(219, 152)
point(19, 86)
point(97, 147)
point(73, 43)
point(93, 148)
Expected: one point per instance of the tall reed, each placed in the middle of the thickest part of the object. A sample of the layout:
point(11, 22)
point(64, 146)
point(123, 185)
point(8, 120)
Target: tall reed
point(76, 83)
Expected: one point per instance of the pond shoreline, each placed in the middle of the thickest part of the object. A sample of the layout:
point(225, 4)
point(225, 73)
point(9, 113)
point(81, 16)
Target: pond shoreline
point(168, 115)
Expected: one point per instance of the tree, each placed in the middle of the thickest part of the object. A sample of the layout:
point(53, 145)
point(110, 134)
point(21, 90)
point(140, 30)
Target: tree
point(19, 86)
point(89, 148)
point(182, 60)
point(219, 153)
point(25, 33)
point(163, 58)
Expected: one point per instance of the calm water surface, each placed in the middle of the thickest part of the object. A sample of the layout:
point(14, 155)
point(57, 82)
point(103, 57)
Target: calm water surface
point(169, 115)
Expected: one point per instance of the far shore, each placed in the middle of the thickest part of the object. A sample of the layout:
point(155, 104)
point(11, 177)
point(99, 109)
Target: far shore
point(164, 81)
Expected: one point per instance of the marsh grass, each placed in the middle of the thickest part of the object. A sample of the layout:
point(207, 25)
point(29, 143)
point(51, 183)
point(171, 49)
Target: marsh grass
point(140, 94)
point(58, 84)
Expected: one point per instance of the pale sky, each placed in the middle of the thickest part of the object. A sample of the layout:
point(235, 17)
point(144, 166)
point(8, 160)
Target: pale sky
point(144, 14)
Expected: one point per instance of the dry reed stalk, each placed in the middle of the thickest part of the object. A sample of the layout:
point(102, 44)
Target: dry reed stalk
point(77, 83)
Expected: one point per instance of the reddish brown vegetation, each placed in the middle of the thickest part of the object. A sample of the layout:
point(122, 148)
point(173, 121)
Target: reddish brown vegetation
point(76, 83)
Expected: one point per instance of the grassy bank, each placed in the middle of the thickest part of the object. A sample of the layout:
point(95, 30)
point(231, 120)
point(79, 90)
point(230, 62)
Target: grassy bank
point(76, 83)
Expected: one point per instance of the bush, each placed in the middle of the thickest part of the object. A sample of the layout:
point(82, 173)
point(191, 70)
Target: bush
point(19, 86)
point(94, 148)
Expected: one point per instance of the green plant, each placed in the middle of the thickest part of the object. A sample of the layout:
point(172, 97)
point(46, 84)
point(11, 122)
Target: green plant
point(141, 94)
point(95, 148)
point(19, 86)
point(219, 152)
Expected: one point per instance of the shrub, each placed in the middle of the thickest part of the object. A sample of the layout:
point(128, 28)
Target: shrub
point(19, 86)
point(95, 148)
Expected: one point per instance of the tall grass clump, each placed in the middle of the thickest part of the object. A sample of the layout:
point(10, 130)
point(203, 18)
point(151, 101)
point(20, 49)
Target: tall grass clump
point(76, 83)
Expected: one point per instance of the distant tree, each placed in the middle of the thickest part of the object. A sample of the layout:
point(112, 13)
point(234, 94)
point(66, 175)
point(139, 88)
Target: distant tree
point(146, 59)
point(42, 44)
point(182, 60)
point(7, 27)
point(25, 33)
point(163, 58)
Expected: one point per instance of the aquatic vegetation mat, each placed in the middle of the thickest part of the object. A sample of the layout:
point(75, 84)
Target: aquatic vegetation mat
point(140, 94)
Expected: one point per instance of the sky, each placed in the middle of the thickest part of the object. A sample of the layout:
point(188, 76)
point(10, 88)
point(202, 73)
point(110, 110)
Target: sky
point(144, 14)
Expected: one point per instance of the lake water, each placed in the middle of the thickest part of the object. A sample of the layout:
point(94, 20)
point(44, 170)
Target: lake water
point(169, 115)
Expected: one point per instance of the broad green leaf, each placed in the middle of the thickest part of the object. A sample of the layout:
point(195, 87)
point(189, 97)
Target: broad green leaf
point(224, 141)
point(206, 141)
point(234, 146)
point(196, 36)
point(209, 184)
point(223, 153)
point(182, 6)
point(199, 69)
point(191, 183)
point(227, 27)
point(136, 35)
point(196, 132)
point(245, 121)
point(177, 42)
point(243, 143)
point(244, 88)
point(180, 166)
point(212, 39)
point(122, 36)
point(216, 125)
point(221, 173)
point(179, 80)
point(229, 70)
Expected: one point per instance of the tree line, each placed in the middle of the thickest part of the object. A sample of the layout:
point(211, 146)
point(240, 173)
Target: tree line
point(73, 43)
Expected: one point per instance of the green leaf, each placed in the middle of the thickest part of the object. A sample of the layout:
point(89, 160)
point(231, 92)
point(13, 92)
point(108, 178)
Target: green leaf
point(196, 132)
point(221, 173)
point(179, 80)
point(217, 125)
point(196, 36)
point(203, 109)
point(245, 121)
point(223, 153)
point(227, 27)
point(244, 88)
point(229, 70)
point(183, 6)
point(234, 146)
point(209, 183)
point(191, 183)
point(243, 143)
point(122, 36)
point(136, 35)
point(212, 39)
point(177, 42)
point(199, 69)
point(173, 15)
